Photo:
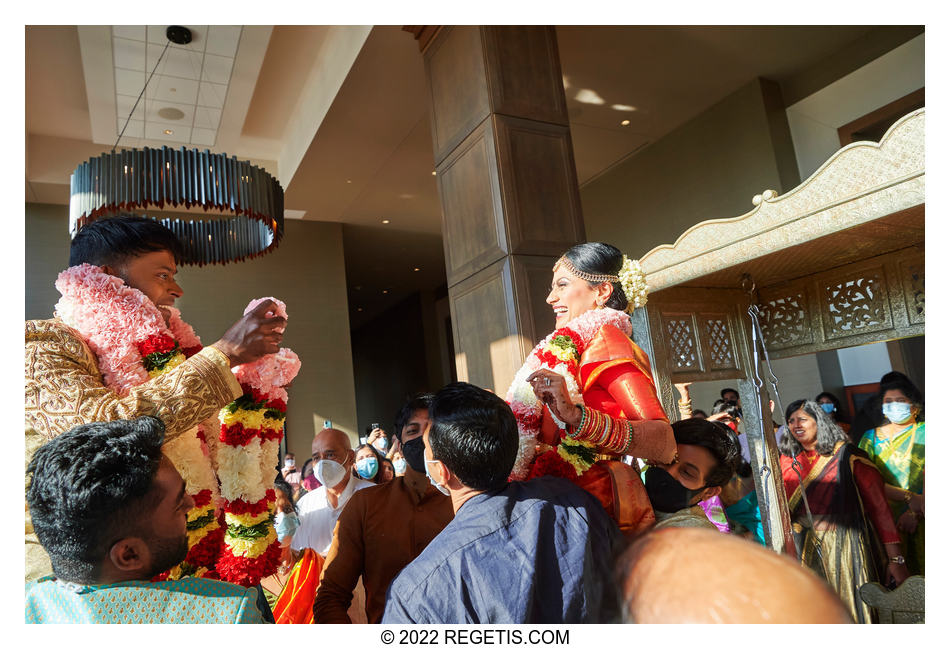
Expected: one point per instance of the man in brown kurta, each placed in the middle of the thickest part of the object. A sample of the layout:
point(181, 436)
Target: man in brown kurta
point(382, 529)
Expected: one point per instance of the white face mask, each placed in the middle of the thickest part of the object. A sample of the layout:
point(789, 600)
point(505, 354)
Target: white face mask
point(433, 482)
point(329, 473)
point(289, 463)
point(382, 443)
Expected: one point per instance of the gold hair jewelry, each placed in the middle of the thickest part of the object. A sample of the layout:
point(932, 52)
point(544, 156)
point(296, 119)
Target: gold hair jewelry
point(590, 277)
point(631, 278)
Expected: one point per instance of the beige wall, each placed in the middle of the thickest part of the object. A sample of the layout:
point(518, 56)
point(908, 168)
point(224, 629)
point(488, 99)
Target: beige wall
point(306, 272)
point(710, 167)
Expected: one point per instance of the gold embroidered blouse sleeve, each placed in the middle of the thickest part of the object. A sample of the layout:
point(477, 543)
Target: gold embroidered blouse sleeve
point(64, 387)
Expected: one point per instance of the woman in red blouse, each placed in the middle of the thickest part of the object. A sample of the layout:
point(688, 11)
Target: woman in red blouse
point(842, 523)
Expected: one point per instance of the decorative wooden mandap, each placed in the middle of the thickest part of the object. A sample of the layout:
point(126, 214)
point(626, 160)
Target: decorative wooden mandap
point(836, 262)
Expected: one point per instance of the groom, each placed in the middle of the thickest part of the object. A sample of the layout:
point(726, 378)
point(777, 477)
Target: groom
point(68, 382)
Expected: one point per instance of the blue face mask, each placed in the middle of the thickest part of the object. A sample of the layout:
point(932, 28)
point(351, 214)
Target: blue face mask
point(399, 466)
point(367, 467)
point(434, 483)
point(897, 411)
point(828, 407)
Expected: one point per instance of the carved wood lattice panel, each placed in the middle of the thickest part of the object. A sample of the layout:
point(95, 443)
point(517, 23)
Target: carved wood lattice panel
point(855, 304)
point(681, 336)
point(719, 343)
point(912, 274)
point(785, 320)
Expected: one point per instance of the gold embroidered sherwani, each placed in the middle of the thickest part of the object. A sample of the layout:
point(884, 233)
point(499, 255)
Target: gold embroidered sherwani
point(64, 388)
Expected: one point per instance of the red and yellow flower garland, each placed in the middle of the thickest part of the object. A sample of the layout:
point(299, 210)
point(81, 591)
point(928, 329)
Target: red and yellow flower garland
point(246, 451)
point(251, 550)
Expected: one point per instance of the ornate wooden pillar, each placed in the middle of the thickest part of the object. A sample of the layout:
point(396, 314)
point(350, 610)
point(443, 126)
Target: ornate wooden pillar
point(508, 187)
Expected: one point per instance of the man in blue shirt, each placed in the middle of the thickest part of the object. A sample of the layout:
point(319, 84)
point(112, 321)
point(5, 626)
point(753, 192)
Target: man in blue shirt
point(538, 551)
point(110, 509)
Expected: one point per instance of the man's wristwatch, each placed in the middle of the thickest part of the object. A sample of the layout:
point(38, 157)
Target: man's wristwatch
point(899, 559)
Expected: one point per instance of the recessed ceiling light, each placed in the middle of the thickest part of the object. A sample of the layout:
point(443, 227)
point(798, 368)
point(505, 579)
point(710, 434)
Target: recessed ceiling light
point(385, 290)
point(416, 269)
point(348, 181)
point(433, 173)
point(170, 113)
point(385, 220)
point(625, 122)
point(359, 308)
point(168, 131)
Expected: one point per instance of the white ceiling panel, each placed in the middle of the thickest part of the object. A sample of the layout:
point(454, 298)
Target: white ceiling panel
point(135, 129)
point(203, 137)
point(207, 117)
point(217, 69)
point(129, 82)
point(174, 89)
point(133, 32)
point(212, 94)
point(177, 62)
point(124, 104)
point(128, 54)
point(223, 39)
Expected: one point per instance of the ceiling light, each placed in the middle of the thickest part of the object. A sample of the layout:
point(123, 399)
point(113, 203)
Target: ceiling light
point(170, 113)
point(359, 308)
point(586, 96)
point(416, 269)
point(246, 202)
point(385, 290)
point(433, 173)
point(623, 107)
point(348, 181)
point(625, 122)
point(385, 221)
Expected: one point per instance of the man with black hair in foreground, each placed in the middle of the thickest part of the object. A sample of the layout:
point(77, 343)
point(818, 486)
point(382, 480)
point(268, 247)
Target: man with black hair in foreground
point(707, 456)
point(539, 551)
point(110, 510)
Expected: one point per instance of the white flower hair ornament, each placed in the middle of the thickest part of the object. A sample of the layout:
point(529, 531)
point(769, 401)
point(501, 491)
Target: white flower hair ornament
point(634, 283)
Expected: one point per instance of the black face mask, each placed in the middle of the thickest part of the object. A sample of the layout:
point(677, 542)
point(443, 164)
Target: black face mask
point(414, 451)
point(666, 493)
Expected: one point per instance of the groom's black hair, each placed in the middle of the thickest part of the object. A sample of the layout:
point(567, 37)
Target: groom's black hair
point(113, 240)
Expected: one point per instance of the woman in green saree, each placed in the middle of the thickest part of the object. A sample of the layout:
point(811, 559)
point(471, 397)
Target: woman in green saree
point(897, 449)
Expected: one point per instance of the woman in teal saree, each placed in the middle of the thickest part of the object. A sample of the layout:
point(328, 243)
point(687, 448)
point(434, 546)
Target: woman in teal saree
point(897, 449)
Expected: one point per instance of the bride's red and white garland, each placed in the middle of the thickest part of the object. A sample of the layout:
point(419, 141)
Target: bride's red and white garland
point(561, 352)
point(133, 344)
point(246, 454)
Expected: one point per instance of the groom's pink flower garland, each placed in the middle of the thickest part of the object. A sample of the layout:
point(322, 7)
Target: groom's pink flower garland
point(561, 352)
point(246, 453)
point(133, 344)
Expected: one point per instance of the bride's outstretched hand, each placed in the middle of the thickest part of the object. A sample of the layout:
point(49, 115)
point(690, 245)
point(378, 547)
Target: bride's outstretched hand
point(551, 389)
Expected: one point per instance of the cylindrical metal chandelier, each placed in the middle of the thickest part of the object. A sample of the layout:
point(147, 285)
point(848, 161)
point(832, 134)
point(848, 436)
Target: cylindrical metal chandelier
point(250, 200)
point(242, 206)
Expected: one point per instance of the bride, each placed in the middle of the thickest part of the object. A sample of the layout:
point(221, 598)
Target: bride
point(585, 395)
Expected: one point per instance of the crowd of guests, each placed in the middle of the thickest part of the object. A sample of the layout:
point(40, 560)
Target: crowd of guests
point(855, 491)
point(568, 501)
point(452, 540)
